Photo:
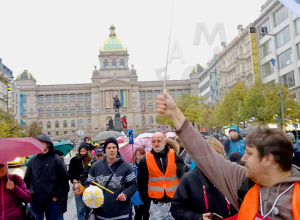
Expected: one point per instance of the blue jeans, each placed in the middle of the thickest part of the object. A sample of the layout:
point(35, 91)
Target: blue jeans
point(49, 209)
point(82, 209)
point(60, 217)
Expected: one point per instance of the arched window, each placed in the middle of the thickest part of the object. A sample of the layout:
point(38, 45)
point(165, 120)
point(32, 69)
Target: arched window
point(80, 110)
point(41, 112)
point(80, 123)
point(114, 64)
point(65, 124)
point(41, 124)
point(122, 63)
point(56, 124)
point(73, 124)
point(56, 113)
point(24, 111)
point(73, 110)
point(48, 124)
point(143, 119)
point(150, 107)
point(151, 119)
point(88, 110)
point(105, 63)
point(88, 123)
point(49, 111)
point(65, 111)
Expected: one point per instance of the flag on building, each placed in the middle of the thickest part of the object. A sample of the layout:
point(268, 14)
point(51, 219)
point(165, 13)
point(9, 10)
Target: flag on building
point(143, 106)
point(38, 112)
point(123, 98)
point(292, 5)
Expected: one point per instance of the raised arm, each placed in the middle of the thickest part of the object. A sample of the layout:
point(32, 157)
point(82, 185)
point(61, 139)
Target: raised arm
point(227, 176)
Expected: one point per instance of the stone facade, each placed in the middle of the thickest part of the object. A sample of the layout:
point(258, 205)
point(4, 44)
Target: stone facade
point(63, 109)
point(235, 62)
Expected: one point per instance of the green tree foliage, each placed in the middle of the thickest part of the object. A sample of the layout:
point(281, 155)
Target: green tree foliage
point(9, 126)
point(192, 106)
point(259, 101)
point(34, 130)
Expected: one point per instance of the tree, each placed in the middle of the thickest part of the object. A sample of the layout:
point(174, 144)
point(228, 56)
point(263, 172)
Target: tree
point(226, 112)
point(34, 130)
point(9, 126)
point(259, 101)
point(192, 106)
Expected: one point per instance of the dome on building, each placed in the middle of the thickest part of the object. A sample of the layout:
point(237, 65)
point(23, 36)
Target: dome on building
point(25, 75)
point(113, 43)
point(198, 69)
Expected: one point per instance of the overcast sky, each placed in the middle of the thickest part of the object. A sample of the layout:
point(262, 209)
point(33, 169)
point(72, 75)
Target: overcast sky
point(59, 41)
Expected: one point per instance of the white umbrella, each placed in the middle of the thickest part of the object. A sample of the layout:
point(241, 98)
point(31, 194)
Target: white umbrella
point(145, 135)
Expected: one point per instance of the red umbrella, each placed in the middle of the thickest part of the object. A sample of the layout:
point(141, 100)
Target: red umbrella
point(11, 148)
point(127, 151)
point(122, 140)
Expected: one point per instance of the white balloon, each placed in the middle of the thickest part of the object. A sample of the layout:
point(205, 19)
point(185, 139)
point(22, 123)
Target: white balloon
point(93, 197)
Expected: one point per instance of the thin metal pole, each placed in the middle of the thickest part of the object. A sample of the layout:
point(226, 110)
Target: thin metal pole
point(281, 100)
point(165, 80)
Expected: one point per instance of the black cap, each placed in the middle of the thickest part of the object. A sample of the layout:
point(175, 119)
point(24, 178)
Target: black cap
point(99, 151)
point(110, 140)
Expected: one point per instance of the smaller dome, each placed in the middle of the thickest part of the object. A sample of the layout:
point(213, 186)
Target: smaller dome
point(198, 69)
point(25, 75)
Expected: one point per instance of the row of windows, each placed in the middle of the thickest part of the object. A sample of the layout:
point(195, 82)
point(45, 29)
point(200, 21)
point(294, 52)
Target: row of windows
point(150, 107)
point(57, 111)
point(113, 64)
point(64, 98)
point(144, 119)
point(279, 17)
point(157, 92)
point(65, 124)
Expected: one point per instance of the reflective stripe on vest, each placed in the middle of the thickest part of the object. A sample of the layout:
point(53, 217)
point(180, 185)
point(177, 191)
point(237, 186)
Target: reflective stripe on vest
point(158, 183)
point(249, 206)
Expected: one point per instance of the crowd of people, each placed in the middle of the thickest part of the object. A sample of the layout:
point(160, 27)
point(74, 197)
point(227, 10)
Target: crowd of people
point(183, 179)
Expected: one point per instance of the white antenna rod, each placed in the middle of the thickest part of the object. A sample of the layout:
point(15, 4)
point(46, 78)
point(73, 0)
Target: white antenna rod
point(165, 80)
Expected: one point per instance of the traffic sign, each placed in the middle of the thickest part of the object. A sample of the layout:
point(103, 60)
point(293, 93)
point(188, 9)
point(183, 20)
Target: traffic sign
point(80, 132)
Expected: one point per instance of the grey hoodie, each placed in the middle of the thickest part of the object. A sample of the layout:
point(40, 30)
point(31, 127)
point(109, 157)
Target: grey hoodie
point(228, 177)
point(123, 181)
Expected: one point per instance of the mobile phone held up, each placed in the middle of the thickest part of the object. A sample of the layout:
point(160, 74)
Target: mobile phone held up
point(215, 216)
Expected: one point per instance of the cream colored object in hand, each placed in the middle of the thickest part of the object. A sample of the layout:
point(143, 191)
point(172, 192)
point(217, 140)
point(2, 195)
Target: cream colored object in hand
point(93, 197)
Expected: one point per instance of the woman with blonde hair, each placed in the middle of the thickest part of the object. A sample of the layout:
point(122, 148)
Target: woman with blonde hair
point(216, 145)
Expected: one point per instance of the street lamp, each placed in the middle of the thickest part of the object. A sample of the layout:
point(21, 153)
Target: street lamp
point(263, 32)
point(280, 93)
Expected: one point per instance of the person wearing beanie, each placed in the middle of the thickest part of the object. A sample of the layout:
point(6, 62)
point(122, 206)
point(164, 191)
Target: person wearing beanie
point(46, 178)
point(76, 168)
point(117, 175)
point(90, 145)
point(236, 157)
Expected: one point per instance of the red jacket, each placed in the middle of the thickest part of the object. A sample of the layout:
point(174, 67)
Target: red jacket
point(9, 208)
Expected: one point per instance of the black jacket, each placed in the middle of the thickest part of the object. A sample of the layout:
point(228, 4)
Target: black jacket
point(75, 168)
point(189, 201)
point(84, 175)
point(46, 176)
point(122, 181)
point(143, 174)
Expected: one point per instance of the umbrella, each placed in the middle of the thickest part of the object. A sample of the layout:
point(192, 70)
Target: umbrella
point(170, 135)
point(64, 147)
point(145, 135)
point(127, 150)
point(122, 140)
point(18, 147)
point(107, 134)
